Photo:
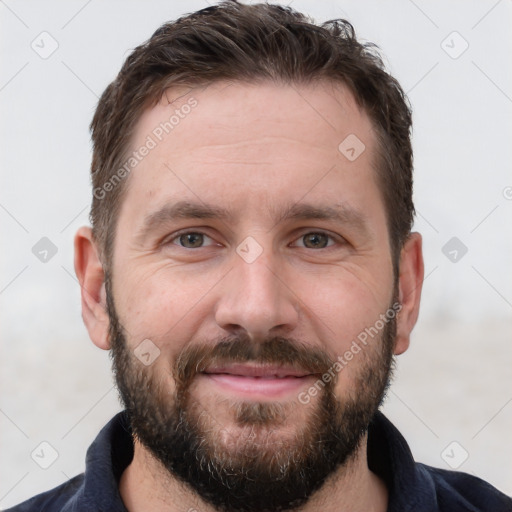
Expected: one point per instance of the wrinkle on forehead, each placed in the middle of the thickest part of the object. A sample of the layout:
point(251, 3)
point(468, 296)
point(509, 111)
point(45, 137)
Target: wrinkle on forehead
point(228, 106)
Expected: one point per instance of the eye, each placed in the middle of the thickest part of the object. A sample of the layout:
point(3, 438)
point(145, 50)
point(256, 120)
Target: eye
point(192, 240)
point(315, 240)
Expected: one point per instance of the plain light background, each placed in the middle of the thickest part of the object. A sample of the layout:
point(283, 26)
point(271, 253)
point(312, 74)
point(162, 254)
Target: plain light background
point(453, 385)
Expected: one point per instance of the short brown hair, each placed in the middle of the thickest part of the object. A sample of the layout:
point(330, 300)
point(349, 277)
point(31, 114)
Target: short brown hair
point(233, 41)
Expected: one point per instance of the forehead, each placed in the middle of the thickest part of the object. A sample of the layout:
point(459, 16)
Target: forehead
point(316, 114)
point(248, 145)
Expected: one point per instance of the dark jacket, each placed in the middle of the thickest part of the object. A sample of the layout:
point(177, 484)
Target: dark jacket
point(412, 486)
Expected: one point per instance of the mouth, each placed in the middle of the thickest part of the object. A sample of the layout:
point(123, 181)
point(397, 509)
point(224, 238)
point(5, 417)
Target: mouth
point(257, 382)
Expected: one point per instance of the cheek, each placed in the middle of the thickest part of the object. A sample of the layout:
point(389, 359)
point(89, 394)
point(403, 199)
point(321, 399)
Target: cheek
point(344, 305)
point(164, 306)
point(346, 312)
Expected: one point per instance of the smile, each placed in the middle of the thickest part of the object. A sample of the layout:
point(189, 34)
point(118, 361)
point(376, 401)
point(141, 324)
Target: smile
point(257, 382)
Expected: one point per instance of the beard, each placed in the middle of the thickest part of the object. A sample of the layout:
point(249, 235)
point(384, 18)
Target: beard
point(262, 466)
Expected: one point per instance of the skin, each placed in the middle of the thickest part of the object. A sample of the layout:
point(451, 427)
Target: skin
point(254, 150)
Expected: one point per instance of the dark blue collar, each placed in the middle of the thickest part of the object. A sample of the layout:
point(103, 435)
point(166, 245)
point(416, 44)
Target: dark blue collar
point(411, 486)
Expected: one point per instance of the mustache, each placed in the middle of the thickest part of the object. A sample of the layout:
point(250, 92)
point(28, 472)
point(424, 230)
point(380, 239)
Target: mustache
point(274, 350)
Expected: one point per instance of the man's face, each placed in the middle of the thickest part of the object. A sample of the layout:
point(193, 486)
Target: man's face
point(250, 255)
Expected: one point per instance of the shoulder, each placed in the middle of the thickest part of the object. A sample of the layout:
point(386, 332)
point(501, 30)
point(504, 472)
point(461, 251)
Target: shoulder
point(457, 491)
point(54, 500)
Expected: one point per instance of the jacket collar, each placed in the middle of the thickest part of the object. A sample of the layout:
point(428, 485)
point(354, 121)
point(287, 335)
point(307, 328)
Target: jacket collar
point(389, 457)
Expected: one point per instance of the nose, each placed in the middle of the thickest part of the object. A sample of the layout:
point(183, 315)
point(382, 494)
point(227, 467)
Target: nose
point(256, 298)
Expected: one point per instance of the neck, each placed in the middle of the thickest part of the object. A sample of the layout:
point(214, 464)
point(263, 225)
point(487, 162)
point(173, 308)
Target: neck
point(146, 485)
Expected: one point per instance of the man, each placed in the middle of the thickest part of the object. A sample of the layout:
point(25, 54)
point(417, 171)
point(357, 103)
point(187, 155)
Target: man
point(252, 268)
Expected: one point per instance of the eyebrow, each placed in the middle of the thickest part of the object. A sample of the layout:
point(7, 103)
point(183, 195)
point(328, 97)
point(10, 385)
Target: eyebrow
point(342, 214)
point(180, 210)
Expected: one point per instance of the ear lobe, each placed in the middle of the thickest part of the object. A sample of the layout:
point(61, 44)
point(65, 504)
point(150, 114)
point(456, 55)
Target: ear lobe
point(91, 276)
point(410, 282)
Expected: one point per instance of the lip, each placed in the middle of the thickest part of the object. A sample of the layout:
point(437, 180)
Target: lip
point(257, 371)
point(257, 382)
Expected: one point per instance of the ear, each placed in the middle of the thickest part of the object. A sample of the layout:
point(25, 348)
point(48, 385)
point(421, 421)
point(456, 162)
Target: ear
point(91, 277)
point(410, 282)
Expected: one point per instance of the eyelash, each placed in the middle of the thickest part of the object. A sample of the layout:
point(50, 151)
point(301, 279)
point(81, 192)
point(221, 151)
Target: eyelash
point(334, 238)
point(188, 232)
